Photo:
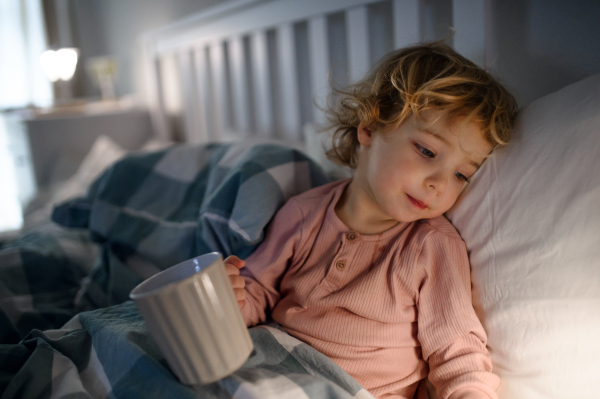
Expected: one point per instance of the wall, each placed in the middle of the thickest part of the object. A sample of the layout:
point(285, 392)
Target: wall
point(115, 27)
point(535, 46)
point(539, 46)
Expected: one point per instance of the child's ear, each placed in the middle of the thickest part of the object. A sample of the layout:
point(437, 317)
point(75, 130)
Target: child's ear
point(365, 134)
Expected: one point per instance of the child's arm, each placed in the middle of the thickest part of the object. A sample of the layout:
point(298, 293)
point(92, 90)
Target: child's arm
point(267, 265)
point(452, 338)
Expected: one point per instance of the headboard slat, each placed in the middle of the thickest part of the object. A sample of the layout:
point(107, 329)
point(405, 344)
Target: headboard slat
point(155, 97)
point(288, 93)
point(319, 64)
point(190, 101)
point(239, 88)
point(202, 129)
point(357, 40)
point(261, 87)
point(218, 94)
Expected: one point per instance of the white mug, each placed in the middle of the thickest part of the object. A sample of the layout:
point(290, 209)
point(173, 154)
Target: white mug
point(193, 315)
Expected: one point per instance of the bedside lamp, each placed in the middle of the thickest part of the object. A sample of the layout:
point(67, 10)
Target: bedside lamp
point(59, 65)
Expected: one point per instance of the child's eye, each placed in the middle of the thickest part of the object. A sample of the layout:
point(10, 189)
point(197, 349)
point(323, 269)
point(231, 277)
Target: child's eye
point(461, 177)
point(425, 151)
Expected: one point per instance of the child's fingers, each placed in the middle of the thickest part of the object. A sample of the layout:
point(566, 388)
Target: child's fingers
point(235, 261)
point(233, 264)
point(237, 282)
point(240, 294)
point(231, 270)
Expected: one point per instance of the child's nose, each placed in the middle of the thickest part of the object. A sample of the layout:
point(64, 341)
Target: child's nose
point(436, 181)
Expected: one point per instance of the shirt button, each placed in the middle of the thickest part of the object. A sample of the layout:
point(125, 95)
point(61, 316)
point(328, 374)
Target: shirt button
point(351, 236)
point(340, 264)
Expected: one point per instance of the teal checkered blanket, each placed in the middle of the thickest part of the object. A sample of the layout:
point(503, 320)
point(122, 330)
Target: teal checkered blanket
point(152, 211)
point(40, 275)
point(146, 213)
point(109, 353)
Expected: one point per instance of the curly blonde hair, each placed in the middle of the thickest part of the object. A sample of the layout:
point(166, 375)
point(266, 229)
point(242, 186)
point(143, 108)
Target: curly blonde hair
point(409, 81)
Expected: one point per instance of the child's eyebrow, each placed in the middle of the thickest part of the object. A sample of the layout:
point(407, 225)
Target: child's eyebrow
point(434, 134)
point(445, 141)
point(475, 164)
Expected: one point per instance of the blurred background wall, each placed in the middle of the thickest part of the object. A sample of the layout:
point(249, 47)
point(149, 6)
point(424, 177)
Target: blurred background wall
point(115, 28)
point(537, 46)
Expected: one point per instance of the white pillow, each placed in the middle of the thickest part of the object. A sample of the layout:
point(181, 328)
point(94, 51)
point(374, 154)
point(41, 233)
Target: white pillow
point(531, 220)
point(104, 152)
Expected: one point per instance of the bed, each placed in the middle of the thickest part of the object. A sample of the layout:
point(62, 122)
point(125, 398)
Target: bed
point(231, 95)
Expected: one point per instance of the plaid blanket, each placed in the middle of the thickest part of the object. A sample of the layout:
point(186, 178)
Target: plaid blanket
point(146, 213)
point(152, 211)
point(109, 353)
point(40, 275)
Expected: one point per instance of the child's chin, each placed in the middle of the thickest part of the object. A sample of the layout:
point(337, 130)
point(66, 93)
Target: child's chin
point(430, 215)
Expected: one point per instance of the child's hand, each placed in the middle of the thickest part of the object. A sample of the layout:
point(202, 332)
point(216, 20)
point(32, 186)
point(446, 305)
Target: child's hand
point(233, 264)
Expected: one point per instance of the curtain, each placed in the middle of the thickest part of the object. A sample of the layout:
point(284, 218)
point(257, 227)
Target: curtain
point(22, 84)
point(22, 41)
point(11, 216)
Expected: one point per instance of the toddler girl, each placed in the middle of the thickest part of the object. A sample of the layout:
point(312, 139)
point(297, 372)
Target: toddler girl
point(367, 270)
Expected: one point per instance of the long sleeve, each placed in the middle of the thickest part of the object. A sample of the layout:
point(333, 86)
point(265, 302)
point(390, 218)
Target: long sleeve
point(452, 338)
point(266, 266)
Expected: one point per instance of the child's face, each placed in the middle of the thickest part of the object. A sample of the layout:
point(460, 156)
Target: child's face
point(418, 170)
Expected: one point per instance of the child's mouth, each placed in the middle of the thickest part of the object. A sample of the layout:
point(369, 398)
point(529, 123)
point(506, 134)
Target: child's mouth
point(417, 203)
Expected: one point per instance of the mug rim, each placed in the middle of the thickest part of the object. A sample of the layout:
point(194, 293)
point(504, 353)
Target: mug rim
point(135, 294)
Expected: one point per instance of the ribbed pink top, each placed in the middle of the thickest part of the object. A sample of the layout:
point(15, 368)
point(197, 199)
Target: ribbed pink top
point(381, 306)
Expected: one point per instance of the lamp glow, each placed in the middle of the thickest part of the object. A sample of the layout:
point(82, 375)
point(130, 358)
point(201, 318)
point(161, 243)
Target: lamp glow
point(59, 64)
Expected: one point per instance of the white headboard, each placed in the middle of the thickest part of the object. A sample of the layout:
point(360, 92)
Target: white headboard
point(253, 67)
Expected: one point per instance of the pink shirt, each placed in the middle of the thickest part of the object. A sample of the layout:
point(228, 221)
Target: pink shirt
point(388, 308)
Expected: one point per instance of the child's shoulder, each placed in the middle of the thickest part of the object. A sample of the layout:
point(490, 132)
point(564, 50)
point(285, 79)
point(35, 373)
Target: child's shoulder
point(439, 225)
point(318, 193)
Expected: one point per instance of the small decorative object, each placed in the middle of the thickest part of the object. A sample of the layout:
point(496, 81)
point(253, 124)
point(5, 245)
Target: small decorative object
point(103, 71)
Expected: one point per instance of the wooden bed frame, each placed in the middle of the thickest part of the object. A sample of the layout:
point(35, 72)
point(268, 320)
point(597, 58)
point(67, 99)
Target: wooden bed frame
point(261, 67)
